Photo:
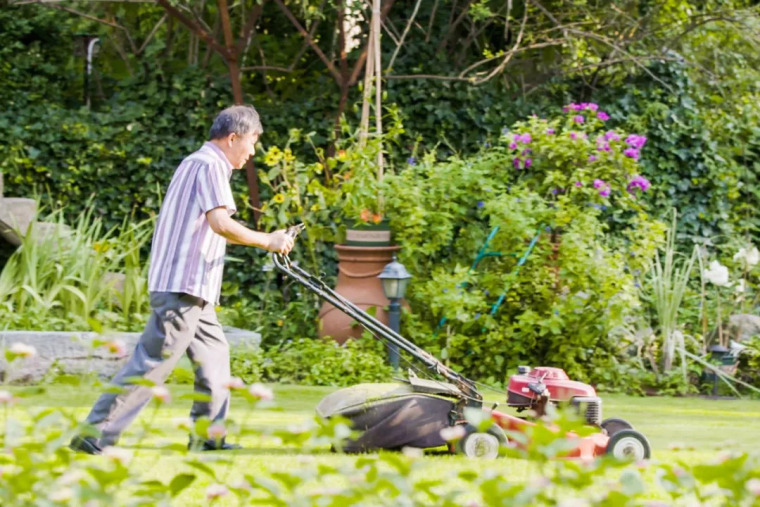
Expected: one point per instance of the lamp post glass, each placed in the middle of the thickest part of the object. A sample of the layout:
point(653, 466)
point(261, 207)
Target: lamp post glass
point(395, 279)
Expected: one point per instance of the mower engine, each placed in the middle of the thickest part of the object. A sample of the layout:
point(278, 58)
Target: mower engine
point(534, 388)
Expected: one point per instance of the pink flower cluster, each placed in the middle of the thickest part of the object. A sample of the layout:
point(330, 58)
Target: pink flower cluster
point(585, 106)
point(638, 182)
point(635, 143)
point(520, 138)
point(603, 187)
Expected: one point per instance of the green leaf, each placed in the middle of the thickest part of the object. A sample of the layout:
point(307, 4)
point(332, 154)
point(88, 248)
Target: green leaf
point(180, 482)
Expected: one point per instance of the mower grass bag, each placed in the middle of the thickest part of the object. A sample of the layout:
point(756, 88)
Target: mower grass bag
point(392, 416)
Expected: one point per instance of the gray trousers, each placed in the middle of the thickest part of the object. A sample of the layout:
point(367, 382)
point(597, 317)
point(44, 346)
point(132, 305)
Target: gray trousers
point(179, 323)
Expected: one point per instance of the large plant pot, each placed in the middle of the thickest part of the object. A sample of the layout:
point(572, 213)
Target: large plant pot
point(358, 268)
point(369, 234)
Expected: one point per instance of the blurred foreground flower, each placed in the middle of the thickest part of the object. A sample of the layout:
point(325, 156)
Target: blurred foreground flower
point(23, 350)
point(118, 454)
point(453, 433)
point(261, 392)
point(161, 394)
point(116, 347)
point(235, 383)
point(216, 491)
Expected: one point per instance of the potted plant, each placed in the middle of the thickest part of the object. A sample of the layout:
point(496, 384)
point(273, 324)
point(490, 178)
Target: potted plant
point(361, 189)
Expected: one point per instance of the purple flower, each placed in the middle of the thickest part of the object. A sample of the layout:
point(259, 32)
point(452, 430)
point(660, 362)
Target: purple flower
point(611, 136)
point(631, 152)
point(411, 161)
point(481, 204)
point(599, 183)
point(578, 184)
point(592, 107)
point(525, 138)
point(550, 131)
point(602, 116)
point(578, 118)
point(605, 192)
point(526, 151)
point(573, 135)
point(555, 191)
point(603, 146)
point(638, 182)
point(528, 162)
point(504, 131)
point(512, 146)
point(516, 163)
point(636, 141)
point(576, 107)
point(592, 158)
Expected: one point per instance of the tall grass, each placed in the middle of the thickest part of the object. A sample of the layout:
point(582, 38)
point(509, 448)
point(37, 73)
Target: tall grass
point(669, 279)
point(67, 277)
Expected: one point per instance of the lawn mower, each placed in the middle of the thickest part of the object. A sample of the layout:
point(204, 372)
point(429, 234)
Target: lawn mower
point(414, 411)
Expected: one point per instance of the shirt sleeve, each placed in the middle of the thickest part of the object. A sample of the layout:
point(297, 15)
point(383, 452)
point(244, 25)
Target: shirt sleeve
point(213, 189)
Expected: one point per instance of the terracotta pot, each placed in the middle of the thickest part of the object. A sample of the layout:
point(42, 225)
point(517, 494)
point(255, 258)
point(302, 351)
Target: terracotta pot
point(358, 268)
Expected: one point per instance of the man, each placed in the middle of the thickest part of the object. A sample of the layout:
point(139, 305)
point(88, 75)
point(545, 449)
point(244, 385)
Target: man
point(185, 278)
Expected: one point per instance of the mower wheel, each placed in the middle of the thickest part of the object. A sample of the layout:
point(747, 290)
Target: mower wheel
point(482, 445)
point(612, 425)
point(628, 444)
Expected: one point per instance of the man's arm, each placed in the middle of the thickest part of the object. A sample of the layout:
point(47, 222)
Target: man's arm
point(223, 225)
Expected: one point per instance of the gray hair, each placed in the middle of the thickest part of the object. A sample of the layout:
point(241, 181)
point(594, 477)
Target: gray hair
point(238, 120)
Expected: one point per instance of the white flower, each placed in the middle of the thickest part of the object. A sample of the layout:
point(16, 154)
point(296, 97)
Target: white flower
point(749, 257)
point(235, 383)
point(716, 274)
point(243, 485)
point(453, 433)
point(23, 350)
point(412, 452)
point(71, 477)
point(261, 392)
point(216, 431)
point(216, 491)
point(118, 454)
point(6, 397)
point(61, 495)
point(116, 347)
point(741, 286)
point(753, 486)
point(183, 423)
point(161, 394)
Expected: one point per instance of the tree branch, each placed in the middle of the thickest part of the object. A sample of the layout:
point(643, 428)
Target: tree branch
point(330, 67)
point(194, 27)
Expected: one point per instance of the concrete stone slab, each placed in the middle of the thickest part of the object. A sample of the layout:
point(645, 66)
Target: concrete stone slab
point(73, 353)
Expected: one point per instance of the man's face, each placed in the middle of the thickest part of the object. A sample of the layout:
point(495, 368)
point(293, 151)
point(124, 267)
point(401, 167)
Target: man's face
point(241, 148)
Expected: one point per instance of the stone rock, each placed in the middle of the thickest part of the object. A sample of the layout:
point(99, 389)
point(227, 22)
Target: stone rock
point(73, 352)
point(740, 327)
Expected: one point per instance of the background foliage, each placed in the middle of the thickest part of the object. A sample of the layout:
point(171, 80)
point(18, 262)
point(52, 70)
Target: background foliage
point(682, 73)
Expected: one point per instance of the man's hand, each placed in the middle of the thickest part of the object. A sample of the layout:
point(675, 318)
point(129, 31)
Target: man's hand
point(280, 242)
point(220, 222)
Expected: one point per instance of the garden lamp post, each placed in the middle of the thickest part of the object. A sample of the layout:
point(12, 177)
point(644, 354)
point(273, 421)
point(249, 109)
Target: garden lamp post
point(86, 47)
point(395, 279)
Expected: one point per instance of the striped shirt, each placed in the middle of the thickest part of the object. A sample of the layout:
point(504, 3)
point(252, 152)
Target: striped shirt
point(186, 255)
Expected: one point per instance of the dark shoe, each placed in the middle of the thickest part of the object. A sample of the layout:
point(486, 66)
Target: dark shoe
point(211, 445)
point(88, 445)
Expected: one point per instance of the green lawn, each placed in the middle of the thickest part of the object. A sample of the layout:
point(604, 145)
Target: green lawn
point(688, 429)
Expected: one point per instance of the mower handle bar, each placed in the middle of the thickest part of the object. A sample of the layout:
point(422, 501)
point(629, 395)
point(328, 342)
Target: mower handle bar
point(382, 331)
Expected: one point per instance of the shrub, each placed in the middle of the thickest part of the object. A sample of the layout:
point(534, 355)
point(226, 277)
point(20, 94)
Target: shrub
point(564, 182)
point(314, 362)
